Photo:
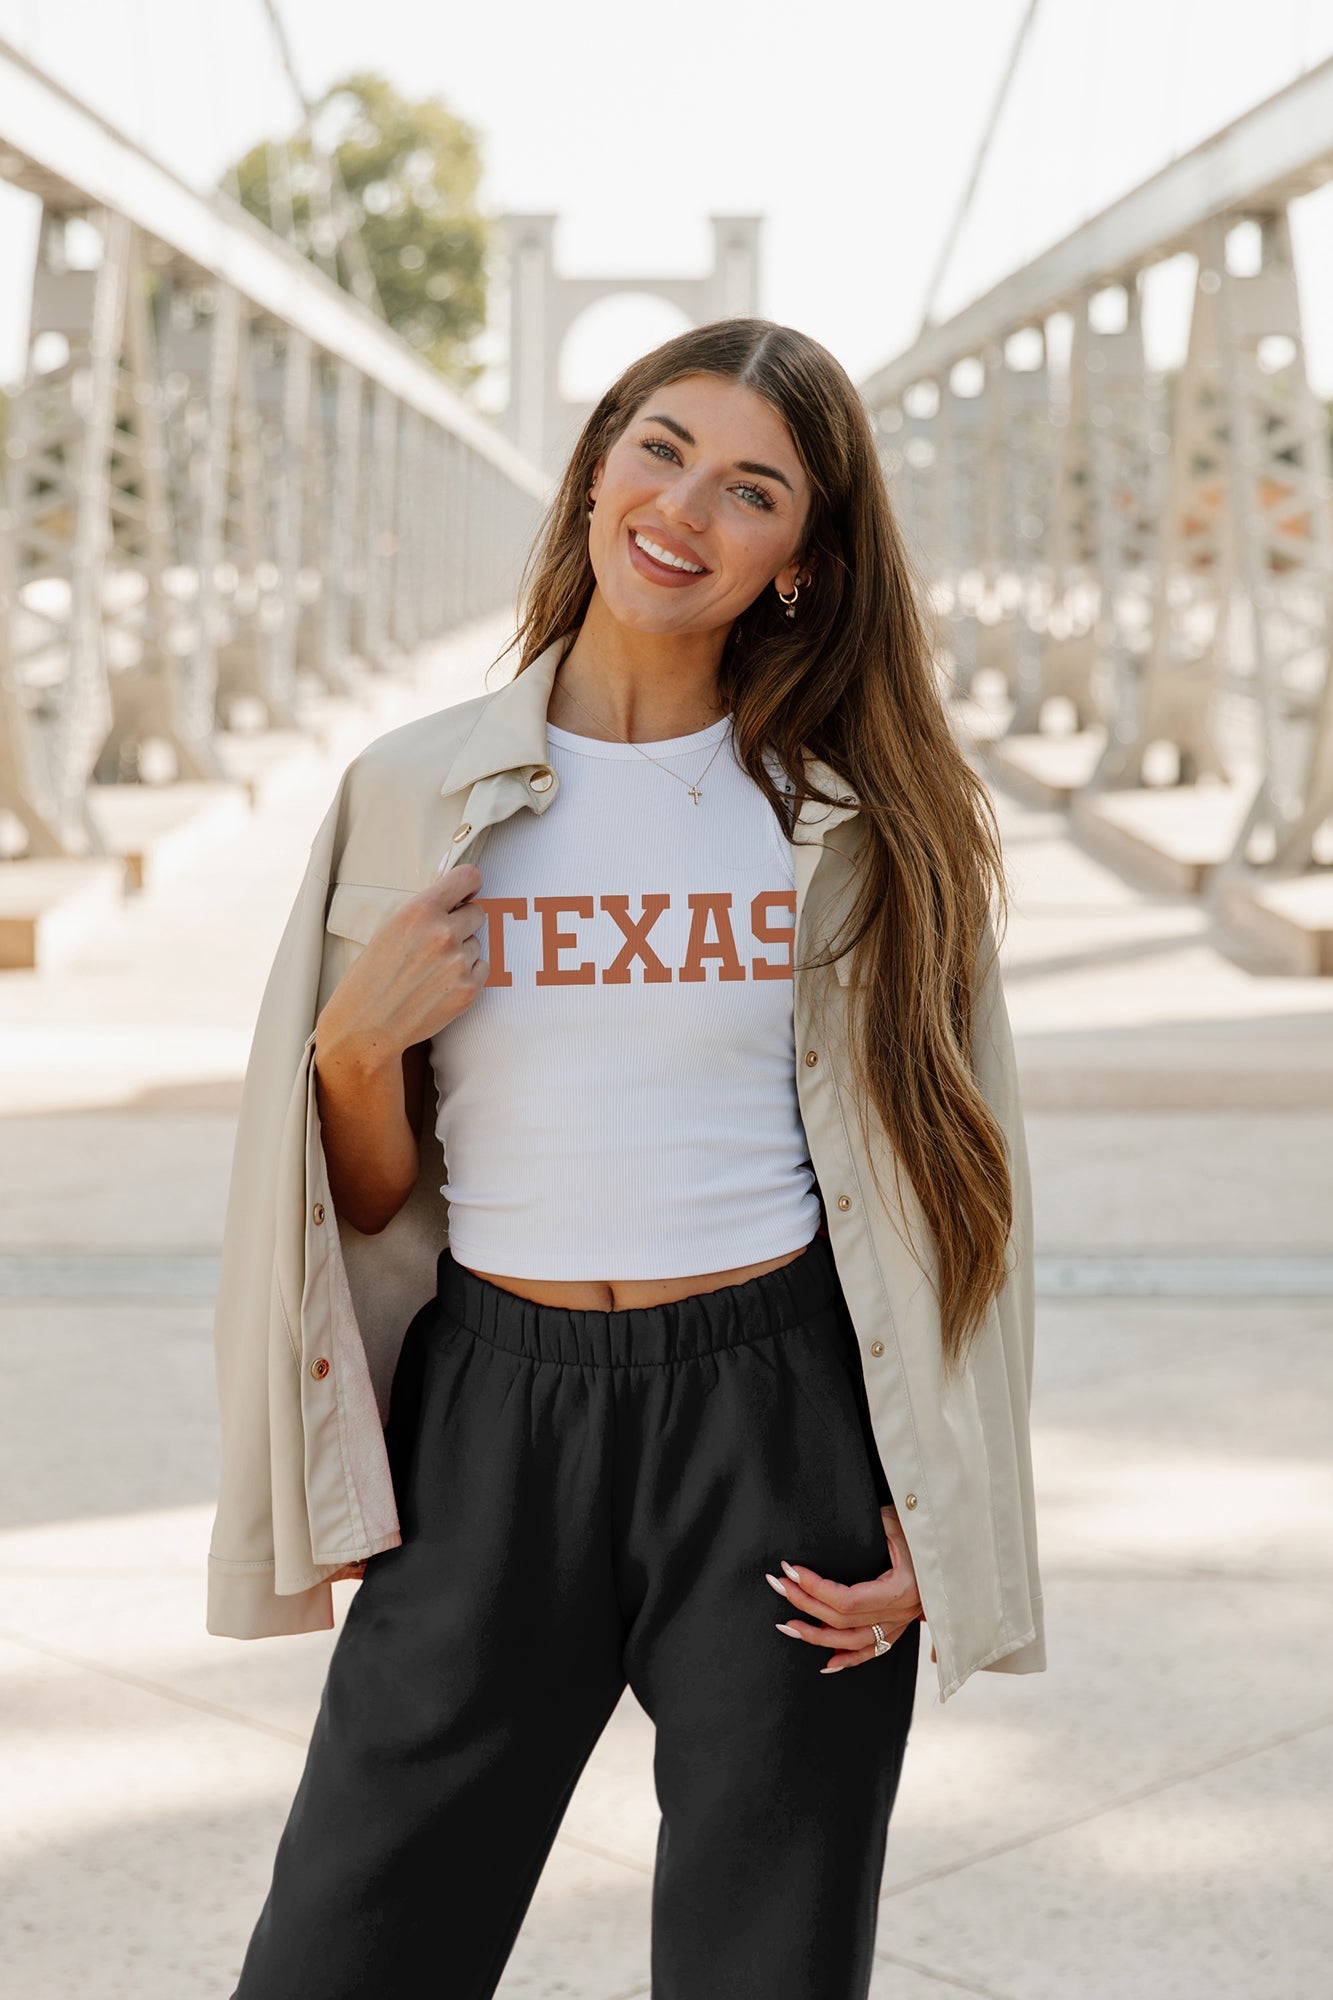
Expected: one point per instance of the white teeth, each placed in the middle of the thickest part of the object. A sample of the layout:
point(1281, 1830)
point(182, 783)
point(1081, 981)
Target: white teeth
point(660, 555)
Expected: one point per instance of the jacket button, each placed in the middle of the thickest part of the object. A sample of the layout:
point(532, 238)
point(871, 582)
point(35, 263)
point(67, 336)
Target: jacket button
point(811, 1058)
point(319, 1369)
point(909, 1499)
point(317, 1213)
point(464, 830)
point(844, 1201)
point(877, 1347)
point(542, 780)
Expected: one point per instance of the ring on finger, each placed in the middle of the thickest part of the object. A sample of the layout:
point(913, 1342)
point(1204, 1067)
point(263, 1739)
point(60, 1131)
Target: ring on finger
point(881, 1643)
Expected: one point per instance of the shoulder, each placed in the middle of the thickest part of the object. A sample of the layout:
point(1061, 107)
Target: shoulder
point(420, 751)
point(385, 815)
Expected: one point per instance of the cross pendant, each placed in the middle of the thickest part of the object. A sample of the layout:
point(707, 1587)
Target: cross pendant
point(695, 793)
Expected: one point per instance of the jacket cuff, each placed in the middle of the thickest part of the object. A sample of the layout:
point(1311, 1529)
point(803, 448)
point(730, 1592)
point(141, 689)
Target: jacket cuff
point(1029, 1659)
point(242, 1604)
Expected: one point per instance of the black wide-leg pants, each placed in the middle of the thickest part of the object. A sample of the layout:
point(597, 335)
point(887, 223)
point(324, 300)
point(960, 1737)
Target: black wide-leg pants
point(589, 1498)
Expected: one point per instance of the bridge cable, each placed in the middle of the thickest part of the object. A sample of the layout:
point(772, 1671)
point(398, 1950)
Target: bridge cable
point(983, 150)
point(338, 205)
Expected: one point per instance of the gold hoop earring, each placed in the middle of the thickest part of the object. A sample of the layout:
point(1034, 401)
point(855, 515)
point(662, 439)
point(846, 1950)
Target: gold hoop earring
point(790, 602)
point(591, 503)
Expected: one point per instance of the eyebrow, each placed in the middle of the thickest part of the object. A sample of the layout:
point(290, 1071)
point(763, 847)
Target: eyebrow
point(742, 464)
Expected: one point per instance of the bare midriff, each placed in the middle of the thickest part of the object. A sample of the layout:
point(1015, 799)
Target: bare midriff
point(622, 1294)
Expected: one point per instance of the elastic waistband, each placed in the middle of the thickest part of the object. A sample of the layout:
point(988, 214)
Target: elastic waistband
point(643, 1336)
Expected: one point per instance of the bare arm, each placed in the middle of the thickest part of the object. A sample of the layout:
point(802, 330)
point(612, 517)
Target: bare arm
point(370, 1124)
point(372, 1044)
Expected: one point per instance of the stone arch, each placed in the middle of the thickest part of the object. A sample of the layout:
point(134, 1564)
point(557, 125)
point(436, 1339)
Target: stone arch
point(544, 307)
point(612, 331)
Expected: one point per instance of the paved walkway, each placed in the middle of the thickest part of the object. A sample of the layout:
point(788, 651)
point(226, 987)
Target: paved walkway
point(1149, 1818)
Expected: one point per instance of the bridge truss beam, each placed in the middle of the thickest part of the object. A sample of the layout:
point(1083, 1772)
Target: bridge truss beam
point(225, 477)
point(1157, 552)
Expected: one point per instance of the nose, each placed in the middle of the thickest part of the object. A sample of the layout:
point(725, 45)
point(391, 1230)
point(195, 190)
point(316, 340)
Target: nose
point(685, 500)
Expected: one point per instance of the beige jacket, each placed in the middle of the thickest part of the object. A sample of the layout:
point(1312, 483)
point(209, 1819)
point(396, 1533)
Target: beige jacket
point(311, 1314)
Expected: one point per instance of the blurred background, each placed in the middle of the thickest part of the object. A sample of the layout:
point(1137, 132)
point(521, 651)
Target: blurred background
point(301, 306)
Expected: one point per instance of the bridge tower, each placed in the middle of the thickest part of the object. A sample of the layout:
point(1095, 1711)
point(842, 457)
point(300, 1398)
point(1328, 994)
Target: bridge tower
point(543, 306)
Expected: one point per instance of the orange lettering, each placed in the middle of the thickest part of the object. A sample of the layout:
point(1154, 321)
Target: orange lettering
point(497, 908)
point(554, 941)
point(764, 933)
point(718, 907)
point(636, 936)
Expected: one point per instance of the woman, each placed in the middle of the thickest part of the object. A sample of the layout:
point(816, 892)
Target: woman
point(686, 1325)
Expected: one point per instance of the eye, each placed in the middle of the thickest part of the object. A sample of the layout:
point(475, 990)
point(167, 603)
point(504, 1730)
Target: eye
point(762, 500)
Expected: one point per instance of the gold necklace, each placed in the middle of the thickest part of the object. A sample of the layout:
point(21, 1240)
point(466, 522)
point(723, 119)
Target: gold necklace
point(692, 789)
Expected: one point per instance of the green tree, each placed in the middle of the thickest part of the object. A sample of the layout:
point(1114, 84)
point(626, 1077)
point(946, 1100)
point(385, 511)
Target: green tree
point(410, 169)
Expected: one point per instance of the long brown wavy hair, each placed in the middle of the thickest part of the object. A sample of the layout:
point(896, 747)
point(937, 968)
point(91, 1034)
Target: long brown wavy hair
point(852, 680)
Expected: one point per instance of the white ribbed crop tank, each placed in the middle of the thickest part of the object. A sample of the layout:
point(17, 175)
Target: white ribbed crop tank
point(620, 1099)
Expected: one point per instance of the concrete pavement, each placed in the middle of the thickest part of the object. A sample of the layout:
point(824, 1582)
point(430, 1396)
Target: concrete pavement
point(1148, 1818)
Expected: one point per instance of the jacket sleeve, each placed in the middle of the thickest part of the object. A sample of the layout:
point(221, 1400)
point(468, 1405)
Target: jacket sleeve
point(996, 1069)
point(241, 1601)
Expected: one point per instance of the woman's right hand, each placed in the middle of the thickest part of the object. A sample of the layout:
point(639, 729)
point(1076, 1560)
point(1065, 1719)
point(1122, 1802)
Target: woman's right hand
point(418, 973)
point(372, 1043)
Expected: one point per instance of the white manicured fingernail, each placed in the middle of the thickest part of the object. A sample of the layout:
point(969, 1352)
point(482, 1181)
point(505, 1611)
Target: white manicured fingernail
point(790, 1572)
point(790, 1631)
point(777, 1584)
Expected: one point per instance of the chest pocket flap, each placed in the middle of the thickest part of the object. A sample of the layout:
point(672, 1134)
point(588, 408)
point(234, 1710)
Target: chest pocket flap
point(358, 909)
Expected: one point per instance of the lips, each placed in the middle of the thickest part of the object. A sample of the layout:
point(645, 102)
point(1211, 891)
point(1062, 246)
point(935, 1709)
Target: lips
point(672, 548)
point(659, 573)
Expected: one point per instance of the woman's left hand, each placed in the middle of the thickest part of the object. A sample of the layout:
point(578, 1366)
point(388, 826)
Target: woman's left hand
point(848, 1610)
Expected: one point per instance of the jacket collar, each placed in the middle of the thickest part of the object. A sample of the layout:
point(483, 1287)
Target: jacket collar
point(510, 732)
point(510, 735)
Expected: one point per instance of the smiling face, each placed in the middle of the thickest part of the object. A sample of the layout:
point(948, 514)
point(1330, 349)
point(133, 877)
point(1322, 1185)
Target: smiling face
point(705, 472)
